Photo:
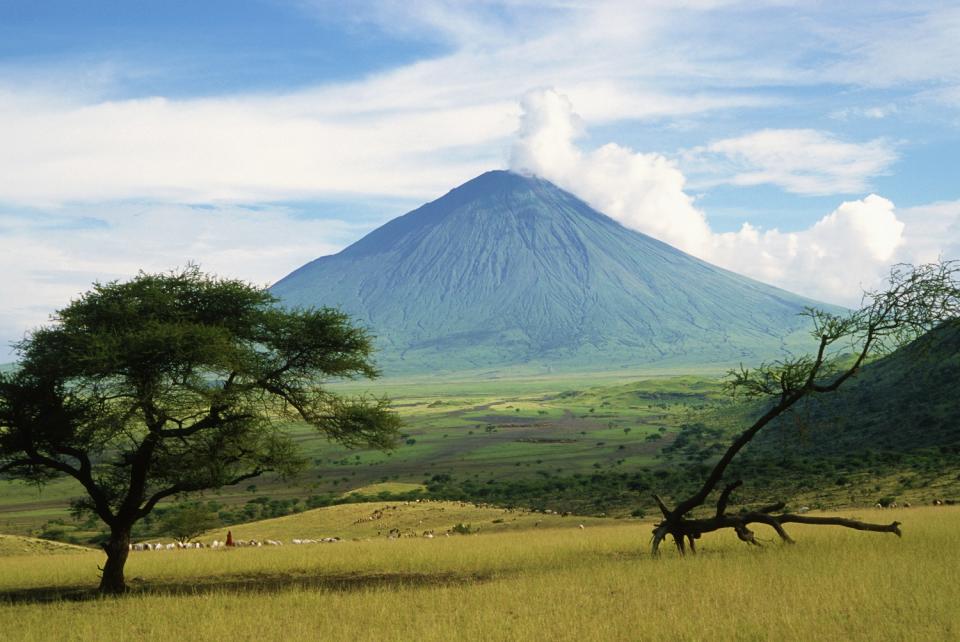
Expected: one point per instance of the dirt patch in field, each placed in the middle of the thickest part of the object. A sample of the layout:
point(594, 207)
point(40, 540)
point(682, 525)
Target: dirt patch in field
point(511, 420)
point(258, 583)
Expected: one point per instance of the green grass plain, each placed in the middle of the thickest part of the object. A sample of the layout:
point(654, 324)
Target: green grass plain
point(499, 434)
point(487, 430)
point(552, 581)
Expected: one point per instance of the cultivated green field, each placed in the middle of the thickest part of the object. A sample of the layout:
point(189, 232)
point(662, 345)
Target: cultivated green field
point(552, 581)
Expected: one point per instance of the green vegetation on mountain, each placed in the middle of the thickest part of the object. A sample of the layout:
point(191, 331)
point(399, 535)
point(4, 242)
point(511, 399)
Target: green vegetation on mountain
point(511, 272)
point(905, 403)
point(892, 434)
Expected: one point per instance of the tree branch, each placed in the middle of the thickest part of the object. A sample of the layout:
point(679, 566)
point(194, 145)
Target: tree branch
point(893, 527)
point(663, 507)
point(725, 497)
point(176, 489)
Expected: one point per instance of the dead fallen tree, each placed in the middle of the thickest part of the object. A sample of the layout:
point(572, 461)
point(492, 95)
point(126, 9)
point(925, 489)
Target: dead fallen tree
point(916, 300)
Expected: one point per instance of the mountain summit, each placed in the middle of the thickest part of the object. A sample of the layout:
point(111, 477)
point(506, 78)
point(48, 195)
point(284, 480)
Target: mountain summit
point(509, 270)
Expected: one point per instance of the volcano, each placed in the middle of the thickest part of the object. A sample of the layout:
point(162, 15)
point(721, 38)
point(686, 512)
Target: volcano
point(510, 271)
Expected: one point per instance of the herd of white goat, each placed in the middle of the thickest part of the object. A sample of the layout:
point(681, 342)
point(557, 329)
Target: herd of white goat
point(240, 543)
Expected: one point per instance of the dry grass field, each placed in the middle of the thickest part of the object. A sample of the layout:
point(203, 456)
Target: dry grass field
point(530, 582)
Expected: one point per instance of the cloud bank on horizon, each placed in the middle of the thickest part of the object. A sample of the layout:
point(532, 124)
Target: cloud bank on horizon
point(809, 146)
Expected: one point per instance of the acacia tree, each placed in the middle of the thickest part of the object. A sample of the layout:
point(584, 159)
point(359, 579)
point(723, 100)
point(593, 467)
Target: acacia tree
point(174, 383)
point(188, 520)
point(916, 300)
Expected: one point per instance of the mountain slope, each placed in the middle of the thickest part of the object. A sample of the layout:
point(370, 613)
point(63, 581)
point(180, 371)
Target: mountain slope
point(904, 403)
point(509, 270)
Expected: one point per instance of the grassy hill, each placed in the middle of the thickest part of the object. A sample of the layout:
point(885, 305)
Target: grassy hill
point(405, 518)
point(11, 545)
point(908, 402)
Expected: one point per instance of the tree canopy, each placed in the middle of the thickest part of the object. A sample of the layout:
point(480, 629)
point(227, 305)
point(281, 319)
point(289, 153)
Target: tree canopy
point(178, 382)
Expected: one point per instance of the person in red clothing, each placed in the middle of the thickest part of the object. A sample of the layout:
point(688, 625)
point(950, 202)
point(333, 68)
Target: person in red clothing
point(230, 538)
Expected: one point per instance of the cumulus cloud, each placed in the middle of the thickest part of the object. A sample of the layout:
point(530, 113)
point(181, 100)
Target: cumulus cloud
point(835, 259)
point(636, 189)
point(932, 232)
point(846, 250)
point(801, 161)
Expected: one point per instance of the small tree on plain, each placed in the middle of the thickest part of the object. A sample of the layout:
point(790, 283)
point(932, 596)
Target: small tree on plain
point(916, 300)
point(174, 383)
point(186, 521)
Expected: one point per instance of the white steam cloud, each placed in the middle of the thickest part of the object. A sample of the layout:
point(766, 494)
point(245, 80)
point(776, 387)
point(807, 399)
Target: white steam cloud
point(846, 250)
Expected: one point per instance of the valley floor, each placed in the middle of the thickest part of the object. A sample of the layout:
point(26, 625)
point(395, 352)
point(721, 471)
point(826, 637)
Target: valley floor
point(582, 444)
point(553, 581)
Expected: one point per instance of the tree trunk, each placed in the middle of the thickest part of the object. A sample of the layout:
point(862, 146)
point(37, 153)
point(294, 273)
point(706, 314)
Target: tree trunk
point(117, 548)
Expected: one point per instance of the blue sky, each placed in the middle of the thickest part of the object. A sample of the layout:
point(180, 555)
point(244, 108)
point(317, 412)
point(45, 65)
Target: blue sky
point(802, 144)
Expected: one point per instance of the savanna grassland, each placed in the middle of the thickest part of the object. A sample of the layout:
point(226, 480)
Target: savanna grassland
point(591, 445)
point(480, 434)
point(526, 582)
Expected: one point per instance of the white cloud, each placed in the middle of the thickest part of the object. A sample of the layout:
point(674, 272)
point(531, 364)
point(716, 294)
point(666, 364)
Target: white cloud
point(835, 259)
point(403, 131)
point(225, 150)
point(643, 191)
point(909, 46)
point(801, 161)
point(933, 232)
point(399, 133)
point(846, 250)
point(875, 112)
point(47, 260)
